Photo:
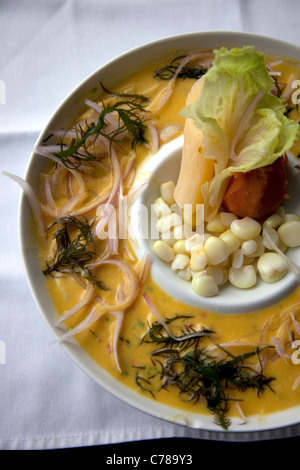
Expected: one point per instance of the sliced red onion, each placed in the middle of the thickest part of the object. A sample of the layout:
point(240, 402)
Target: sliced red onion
point(296, 383)
point(87, 296)
point(129, 167)
point(117, 330)
point(274, 63)
point(270, 67)
point(96, 107)
point(123, 214)
point(117, 174)
point(132, 281)
point(289, 89)
point(46, 151)
point(146, 264)
point(126, 251)
point(154, 136)
point(104, 210)
point(165, 95)
point(94, 315)
point(159, 318)
point(279, 348)
point(295, 323)
point(32, 200)
point(49, 195)
point(136, 192)
point(69, 133)
point(57, 177)
point(79, 180)
point(169, 132)
point(240, 412)
point(113, 241)
point(52, 213)
point(70, 206)
point(119, 321)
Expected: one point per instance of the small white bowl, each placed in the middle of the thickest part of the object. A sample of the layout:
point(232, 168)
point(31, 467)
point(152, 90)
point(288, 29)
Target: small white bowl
point(112, 73)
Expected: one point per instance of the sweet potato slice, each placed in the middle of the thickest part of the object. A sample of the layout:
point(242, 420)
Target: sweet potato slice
point(257, 193)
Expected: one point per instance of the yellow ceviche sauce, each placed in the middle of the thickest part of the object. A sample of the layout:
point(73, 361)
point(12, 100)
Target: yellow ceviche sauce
point(246, 329)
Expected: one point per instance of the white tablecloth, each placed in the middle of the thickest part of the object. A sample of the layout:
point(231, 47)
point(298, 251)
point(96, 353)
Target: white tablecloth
point(47, 48)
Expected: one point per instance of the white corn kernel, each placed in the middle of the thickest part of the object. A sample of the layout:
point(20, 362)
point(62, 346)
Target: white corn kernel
point(179, 247)
point(291, 217)
point(227, 218)
point(243, 277)
point(180, 261)
point(168, 221)
point(249, 247)
point(198, 259)
point(260, 249)
point(216, 250)
point(273, 221)
point(289, 233)
point(217, 273)
point(168, 237)
point(167, 191)
point(271, 267)
point(274, 237)
point(282, 247)
point(193, 218)
point(215, 225)
point(237, 259)
point(185, 273)
point(163, 251)
point(232, 242)
point(205, 285)
point(246, 228)
point(178, 232)
point(160, 207)
point(194, 240)
point(183, 231)
point(249, 260)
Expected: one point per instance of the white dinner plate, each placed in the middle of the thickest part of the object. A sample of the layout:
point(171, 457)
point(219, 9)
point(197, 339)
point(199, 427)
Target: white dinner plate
point(112, 73)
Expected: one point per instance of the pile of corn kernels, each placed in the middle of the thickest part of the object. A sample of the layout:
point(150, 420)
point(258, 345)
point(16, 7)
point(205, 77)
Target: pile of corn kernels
point(231, 250)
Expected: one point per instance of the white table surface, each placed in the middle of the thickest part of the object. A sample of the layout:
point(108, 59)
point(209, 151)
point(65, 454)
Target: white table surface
point(46, 49)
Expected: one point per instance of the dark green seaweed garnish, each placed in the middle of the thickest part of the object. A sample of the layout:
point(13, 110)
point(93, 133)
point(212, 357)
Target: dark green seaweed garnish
point(200, 375)
point(188, 71)
point(130, 121)
point(74, 248)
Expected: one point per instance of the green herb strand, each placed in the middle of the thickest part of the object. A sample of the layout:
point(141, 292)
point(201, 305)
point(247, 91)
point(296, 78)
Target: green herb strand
point(72, 254)
point(200, 376)
point(188, 71)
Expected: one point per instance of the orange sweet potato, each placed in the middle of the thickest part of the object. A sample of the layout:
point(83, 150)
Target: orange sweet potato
point(257, 193)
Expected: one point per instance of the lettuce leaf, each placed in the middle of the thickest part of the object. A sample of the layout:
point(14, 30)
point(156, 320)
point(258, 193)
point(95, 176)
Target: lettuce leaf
point(244, 126)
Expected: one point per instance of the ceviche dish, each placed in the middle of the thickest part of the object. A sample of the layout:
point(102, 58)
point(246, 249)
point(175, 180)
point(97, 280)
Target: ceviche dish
point(222, 223)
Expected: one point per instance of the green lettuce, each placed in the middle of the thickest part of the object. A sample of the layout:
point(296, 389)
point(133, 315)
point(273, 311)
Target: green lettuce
point(244, 125)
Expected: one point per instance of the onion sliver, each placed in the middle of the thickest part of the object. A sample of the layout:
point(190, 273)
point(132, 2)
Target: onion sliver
point(117, 173)
point(32, 200)
point(279, 348)
point(166, 93)
point(296, 383)
point(118, 326)
point(132, 281)
point(145, 269)
point(86, 297)
point(240, 412)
